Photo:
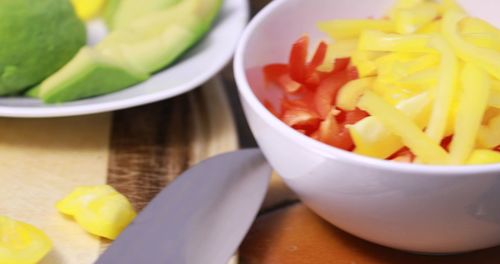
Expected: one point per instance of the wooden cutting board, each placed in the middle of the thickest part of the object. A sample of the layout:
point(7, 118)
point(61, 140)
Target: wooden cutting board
point(138, 151)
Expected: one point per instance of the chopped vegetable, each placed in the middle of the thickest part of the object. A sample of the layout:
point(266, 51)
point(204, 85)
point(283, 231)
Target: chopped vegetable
point(350, 93)
point(445, 91)
point(21, 243)
point(489, 135)
point(484, 156)
point(409, 20)
point(418, 86)
point(348, 29)
point(474, 100)
point(378, 41)
point(100, 210)
point(401, 125)
point(486, 58)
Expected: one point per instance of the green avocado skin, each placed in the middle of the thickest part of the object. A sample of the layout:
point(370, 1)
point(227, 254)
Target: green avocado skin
point(37, 37)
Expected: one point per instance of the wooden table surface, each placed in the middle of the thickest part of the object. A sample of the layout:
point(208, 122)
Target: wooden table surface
point(289, 233)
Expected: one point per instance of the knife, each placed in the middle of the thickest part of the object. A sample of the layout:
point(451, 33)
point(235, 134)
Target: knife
point(201, 218)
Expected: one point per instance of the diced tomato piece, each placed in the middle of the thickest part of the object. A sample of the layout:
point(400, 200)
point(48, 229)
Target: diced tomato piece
point(327, 92)
point(301, 119)
point(497, 148)
point(298, 59)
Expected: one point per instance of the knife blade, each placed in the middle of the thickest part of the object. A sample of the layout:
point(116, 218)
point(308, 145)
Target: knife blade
point(201, 217)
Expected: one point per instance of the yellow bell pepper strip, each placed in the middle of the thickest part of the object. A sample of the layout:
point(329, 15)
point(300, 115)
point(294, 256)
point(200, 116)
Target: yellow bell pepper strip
point(421, 80)
point(401, 125)
point(484, 156)
point(372, 40)
point(495, 99)
point(451, 5)
point(409, 20)
point(338, 49)
point(349, 94)
point(21, 243)
point(445, 91)
point(364, 61)
point(351, 28)
point(88, 9)
point(399, 69)
point(433, 27)
point(100, 210)
point(480, 33)
point(489, 135)
point(486, 58)
point(476, 85)
point(372, 138)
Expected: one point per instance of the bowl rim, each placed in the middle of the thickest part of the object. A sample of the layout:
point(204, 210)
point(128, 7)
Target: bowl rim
point(248, 95)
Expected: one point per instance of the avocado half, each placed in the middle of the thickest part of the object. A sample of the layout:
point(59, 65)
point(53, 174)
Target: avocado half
point(129, 55)
point(37, 38)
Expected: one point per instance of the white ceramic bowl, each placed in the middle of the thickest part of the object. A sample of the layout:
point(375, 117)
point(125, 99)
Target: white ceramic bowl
point(429, 209)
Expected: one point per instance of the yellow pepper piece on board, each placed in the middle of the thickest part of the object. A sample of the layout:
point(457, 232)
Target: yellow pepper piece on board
point(349, 94)
point(351, 28)
point(372, 138)
point(379, 41)
point(21, 243)
point(100, 210)
point(486, 58)
point(445, 91)
point(401, 125)
point(409, 20)
point(336, 50)
point(88, 9)
point(480, 33)
point(484, 156)
point(476, 85)
point(489, 135)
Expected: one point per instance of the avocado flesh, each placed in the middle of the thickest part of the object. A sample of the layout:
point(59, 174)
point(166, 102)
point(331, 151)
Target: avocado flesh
point(127, 11)
point(36, 39)
point(155, 41)
point(88, 74)
point(128, 56)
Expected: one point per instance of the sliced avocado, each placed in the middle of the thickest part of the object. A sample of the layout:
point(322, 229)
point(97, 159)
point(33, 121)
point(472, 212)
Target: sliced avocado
point(127, 56)
point(124, 12)
point(88, 74)
point(155, 41)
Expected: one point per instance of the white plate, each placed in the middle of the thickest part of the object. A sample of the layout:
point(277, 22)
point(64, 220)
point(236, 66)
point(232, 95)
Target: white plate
point(195, 67)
